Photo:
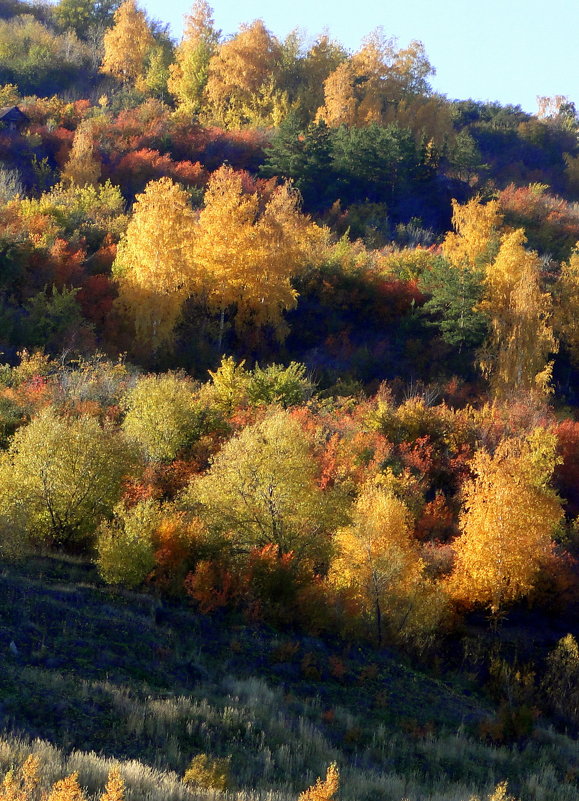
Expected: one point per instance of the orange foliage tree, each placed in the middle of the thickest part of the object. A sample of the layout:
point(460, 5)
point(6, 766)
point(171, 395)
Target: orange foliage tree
point(509, 517)
point(249, 255)
point(326, 789)
point(153, 265)
point(127, 44)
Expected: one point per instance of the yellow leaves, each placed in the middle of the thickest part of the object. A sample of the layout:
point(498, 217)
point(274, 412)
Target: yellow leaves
point(340, 101)
point(240, 253)
point(67, 789)
point(509, 517)
point(127, 43)
point(378, 569)
point(22, 784)
point(82, 167)
point(476, 231)
point(324, 790)
point(515, 358)
point(153, 264)
point(115, 788)
point(359, 91)
point(521, 340)
point(567, 311)
point(240, 68)
point(189, 73)
point(248, 255)
point(208, 773)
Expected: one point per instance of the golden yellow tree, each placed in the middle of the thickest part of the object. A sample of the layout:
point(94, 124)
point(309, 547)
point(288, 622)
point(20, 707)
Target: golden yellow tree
point(378, 566)
point(509, 515)
point(189, 73)
point(67, 789)
point(239, 72)
point(115, 787)
point(476, 236)
point(83, 167)
point(362, 90)
point(339, 97)
point(127, 44)
point(567, 309)
point(324, 790)
point(153, 266)
point(249, 257)
point(372, 67)
point(323, 57)
point(516, 357)
point(20, 784)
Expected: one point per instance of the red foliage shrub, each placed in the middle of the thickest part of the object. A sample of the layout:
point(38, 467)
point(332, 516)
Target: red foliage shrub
point(96, 297)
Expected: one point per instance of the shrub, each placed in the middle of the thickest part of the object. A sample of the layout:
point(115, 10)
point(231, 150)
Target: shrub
point(208, 773)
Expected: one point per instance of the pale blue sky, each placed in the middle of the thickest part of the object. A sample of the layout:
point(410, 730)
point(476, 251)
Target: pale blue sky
point(505, 50)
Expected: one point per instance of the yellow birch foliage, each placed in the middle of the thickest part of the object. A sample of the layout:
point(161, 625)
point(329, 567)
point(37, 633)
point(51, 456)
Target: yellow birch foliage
point(320, 62)
point(379, 75)
point(508, 519)
point(115, 787)
point(83, 167)
point(153, 267)
point(67, 789)
point(324, 790)
point(567, 311)
point(516, 357)
point(127, 44)
point(189, 74)
point(339, 98)
point(248, 256)
point(21, 784)
point(372, 66)
point(377, 565)
point(475, 239)
point(240, 68)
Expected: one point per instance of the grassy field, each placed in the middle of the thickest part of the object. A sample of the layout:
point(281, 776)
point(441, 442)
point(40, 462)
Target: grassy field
point(94, 678)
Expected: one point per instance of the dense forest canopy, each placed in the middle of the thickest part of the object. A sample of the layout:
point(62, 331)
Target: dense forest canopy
point(285, 332)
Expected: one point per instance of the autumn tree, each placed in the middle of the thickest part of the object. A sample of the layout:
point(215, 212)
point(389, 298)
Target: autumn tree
point(247, 255)
point(67, 789)
point(567, 308)
point(21, 784)
point(241, 81)
point(475, 240)
point(324, 789)
point(339, 97)
point(320, 61)
point(115, 787)
point(261, 490)
point(509, 516)
point(378, 566)
point(127, 43)
point(361, 90)
point(162, 415)
point(516, 356)
point(190, 72)
point(60, 476)
point(83, 166)
point(153, 266)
